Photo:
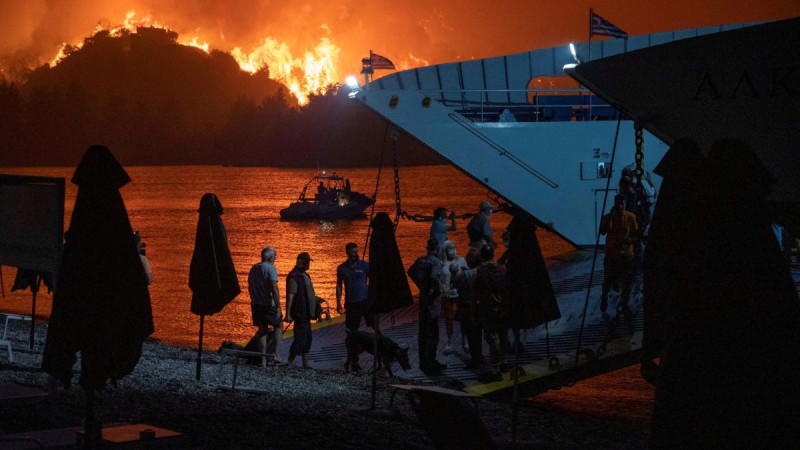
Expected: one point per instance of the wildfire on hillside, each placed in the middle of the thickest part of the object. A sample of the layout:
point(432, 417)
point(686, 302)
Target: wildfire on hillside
point(311, 73)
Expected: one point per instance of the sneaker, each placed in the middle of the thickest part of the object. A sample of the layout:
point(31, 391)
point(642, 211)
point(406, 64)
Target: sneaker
point(430, 369)
point(277, 362)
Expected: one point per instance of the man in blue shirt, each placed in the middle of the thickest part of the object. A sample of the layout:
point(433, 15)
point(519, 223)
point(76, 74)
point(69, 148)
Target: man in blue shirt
point(351, 278)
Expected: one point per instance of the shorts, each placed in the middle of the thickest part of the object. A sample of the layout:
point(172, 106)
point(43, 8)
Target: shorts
point(262, 316)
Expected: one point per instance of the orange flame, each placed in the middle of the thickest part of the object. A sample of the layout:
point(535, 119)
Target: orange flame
point(309, 75)
point(303, 76)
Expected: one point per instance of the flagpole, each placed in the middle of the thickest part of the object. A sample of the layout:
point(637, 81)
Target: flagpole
point(591, 14)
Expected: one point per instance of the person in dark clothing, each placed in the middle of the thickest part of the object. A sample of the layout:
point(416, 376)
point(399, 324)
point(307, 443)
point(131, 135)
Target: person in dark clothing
point(620, 228)
point(491, 298)
point(426, 273)
point(467, 313)
point(301, 302)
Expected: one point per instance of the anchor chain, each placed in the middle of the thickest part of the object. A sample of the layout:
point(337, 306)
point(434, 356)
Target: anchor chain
point(395, 161)
point(639, 156)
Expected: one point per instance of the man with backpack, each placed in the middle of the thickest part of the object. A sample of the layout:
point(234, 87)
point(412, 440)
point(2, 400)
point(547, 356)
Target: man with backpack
point(426, 273)
point(479, 228)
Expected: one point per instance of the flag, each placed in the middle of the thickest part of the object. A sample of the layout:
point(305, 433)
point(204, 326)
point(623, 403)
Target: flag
point(601, 27)
point(380, 62)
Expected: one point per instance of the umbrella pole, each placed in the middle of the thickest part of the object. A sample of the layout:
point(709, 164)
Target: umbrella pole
point(34, 290)
point(92, 430)
point(200, 348)
point(374, 361)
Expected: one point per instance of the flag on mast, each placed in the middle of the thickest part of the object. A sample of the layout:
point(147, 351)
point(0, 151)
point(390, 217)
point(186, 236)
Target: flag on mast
point(601, 27)
point(380, 62)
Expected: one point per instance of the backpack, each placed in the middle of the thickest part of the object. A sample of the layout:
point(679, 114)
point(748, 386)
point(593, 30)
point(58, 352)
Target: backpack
point(492, 277)
point(475, 229)
point(420, 274)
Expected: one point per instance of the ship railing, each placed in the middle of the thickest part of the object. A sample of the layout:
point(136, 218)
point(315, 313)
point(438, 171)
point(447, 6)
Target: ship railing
point(525, 105)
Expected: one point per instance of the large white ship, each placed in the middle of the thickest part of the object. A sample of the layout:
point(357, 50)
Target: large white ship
point(557, 152)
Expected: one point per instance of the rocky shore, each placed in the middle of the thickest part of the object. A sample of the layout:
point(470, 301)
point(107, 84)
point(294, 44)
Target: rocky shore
point(299, 408)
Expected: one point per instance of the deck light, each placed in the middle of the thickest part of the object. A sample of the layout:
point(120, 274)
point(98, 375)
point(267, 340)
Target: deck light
point(351, 82)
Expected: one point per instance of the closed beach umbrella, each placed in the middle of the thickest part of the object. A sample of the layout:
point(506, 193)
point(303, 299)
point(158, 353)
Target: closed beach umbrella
point(388, 285)
point(101, 306)
point(212, 276)
point(532, 299)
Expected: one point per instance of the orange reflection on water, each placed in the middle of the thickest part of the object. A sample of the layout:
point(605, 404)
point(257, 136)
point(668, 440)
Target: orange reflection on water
point(162, 204)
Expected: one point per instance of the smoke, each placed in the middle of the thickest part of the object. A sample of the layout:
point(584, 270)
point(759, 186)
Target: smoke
point(409, 32)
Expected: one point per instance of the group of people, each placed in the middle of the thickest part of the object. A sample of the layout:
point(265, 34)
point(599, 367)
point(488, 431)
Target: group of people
point(470, 289)
point(624, 228)
point(301, 305)
point(302, 302)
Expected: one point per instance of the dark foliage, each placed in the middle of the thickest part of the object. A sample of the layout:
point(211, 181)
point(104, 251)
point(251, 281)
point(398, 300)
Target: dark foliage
point(157, 102)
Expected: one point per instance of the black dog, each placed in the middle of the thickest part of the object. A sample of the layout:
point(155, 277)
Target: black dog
point(358, 342)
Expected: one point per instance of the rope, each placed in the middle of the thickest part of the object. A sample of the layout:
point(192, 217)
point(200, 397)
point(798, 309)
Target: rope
point(596, 249)
point(375, 194)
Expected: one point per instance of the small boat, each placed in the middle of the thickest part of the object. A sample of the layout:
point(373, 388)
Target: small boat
point(333, 200)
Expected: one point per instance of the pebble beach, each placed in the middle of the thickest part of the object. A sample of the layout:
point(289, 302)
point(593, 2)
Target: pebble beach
point(298, 408)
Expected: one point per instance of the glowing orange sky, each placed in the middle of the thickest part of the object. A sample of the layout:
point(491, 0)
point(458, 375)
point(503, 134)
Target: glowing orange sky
point(409, 32)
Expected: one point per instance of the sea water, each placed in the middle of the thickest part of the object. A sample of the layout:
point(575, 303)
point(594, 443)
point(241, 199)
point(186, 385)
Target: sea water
point(162, 205)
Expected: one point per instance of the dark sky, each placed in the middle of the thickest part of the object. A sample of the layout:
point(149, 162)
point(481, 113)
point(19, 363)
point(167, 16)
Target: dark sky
point(409, 32)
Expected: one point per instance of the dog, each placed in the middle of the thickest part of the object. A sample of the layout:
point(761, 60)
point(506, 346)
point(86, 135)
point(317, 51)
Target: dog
point(358, 342)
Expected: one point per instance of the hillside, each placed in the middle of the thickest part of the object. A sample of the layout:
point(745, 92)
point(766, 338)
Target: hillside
point(154, 102)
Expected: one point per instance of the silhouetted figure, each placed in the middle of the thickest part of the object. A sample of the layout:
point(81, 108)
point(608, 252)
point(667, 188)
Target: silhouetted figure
point(621, 231)
point(467, 314)
point(673, 253)
point(301, 301)
point(352, 278)
point(141, 248)
point(426, 273)
point(728, 372)
point(479, 228)
point(451, 262)
point(439, 227)
point(265, 307)
point(491, 297)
